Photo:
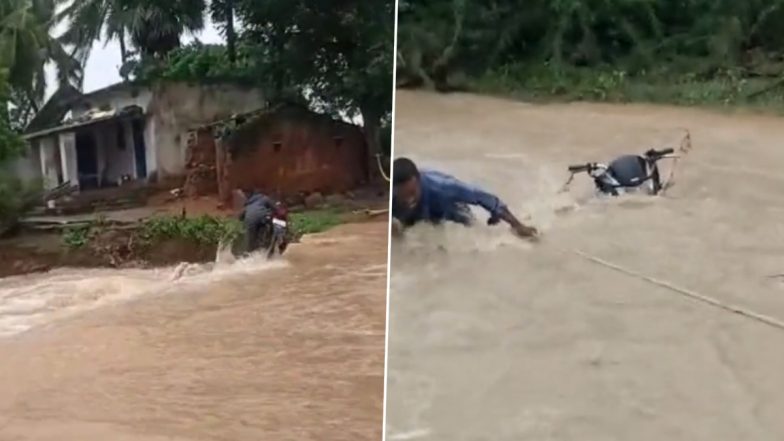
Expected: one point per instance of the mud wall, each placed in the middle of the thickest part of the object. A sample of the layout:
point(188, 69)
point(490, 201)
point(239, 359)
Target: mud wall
point(289, 153)
point(201, 172)
point(178, 107)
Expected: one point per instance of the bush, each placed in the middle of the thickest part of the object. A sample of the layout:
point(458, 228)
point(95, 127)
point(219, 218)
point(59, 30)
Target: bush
point(195, 63)
point(598, 50)
point(16, 198)
point(724, 88)
point(205, 230)
point(11, 144)
point(77, 237)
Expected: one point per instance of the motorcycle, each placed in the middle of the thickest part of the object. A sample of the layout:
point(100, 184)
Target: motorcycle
point(626, 174)
point(276, 238)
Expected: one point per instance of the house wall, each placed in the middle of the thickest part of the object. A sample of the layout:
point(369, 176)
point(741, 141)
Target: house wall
point(114, 162)
point(178, 107)
point(172, 109)
point(117, 99)
point(286, 155)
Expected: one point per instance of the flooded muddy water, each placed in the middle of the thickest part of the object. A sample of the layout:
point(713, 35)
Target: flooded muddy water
point(493, 338)
point(291, 349)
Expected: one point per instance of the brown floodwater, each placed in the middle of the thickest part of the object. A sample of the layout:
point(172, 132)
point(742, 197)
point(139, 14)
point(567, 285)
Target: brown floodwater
point(287, 350)
point(493, 338)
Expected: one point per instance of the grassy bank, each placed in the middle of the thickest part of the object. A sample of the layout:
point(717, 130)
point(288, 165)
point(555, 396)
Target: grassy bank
point(202, 231)
point(315, 221)
point(158, 241)
point(723, 89)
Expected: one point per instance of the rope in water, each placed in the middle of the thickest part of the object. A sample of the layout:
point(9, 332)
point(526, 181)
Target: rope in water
point(771, 321)
point(684, 147)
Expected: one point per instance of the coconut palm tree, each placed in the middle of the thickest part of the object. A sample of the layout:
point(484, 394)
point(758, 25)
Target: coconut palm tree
point(27, 46)
point(222, 13)
point(151, 26)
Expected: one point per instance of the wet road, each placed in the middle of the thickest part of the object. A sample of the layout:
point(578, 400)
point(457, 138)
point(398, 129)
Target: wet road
point(287, 351)
point(496, 339)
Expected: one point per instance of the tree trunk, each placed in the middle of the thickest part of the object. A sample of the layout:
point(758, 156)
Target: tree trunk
point(123, 55)
point(231, 35)
point(372, 131)
point(123, 49)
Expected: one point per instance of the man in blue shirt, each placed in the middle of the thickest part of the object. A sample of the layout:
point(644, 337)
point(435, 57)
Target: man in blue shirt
point(255, 217)
point(434, 197)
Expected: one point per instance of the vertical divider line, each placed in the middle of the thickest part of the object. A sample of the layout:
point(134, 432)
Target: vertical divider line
point(389, 231)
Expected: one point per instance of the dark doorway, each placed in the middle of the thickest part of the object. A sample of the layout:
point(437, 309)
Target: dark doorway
point(139, 148)
point(86, 160)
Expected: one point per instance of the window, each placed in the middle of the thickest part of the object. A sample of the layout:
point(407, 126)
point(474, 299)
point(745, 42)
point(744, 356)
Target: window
point(276, 146)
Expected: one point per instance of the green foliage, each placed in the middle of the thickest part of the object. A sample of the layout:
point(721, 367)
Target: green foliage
point(27, 45)
point(316, 221)
point(77, 237)
point(205, 230)
point(338, 53)
point(724, 88)
point(196, 62)
point(595, 49)
point(16, 198)
point(10, 142)
point(153, 27)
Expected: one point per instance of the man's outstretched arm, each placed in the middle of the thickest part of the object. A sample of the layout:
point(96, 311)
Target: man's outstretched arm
point(473, 195)
point(396, 223)
point(397, 227)
point(521, 229)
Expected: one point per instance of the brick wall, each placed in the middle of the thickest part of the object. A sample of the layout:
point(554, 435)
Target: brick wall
point(201, 176)
point(293, 152)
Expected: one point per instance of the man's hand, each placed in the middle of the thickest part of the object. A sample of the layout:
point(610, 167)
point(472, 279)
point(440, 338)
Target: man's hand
point(518, 227)
point(525, 231)
point(397, 228)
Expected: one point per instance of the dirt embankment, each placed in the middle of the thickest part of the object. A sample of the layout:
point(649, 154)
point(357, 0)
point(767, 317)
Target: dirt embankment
point(120, 246)
point(109, 248)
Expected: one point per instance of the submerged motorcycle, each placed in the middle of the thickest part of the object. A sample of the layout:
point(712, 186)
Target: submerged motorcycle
point(276, 238)
point(626, 174)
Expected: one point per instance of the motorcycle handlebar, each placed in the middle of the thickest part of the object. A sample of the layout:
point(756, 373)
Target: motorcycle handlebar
point(580, 168)
point(656, 154)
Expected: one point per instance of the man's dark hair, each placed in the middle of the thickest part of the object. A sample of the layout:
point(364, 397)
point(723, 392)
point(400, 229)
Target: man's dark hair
point(403, 171)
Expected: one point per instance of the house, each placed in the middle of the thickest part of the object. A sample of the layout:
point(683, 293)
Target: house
point(124, 132)
point(286, 152)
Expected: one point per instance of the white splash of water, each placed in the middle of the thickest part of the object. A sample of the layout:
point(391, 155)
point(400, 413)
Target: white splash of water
point(32, 300)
